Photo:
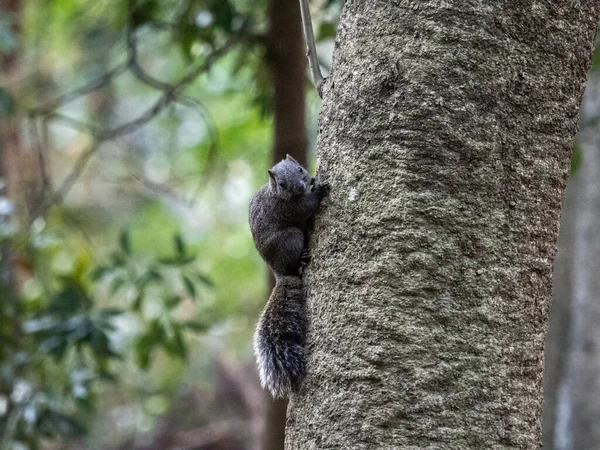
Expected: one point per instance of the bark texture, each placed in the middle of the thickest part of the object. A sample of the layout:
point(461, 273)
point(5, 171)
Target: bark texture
point(446, 133)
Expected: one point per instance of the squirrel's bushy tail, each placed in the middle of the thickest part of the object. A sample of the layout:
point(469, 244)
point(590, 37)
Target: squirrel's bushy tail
point(280, 337)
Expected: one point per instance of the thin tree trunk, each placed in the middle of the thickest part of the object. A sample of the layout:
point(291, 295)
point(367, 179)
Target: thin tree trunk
point(16, 165)
point(557, 345)
point(21, 167)
point(446, 133)
point(285, 55)
point(572, 416)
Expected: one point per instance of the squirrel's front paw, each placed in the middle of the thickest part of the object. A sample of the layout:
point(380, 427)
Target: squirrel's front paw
point(323, 189)
point(305, 257)
point(304, 260)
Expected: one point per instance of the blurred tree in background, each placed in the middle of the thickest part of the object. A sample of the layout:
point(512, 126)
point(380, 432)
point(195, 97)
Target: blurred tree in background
point(572, 372)
point(133, 134)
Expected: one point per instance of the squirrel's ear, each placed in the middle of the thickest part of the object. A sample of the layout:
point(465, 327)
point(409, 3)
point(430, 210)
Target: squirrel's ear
point(289, 158)
point(272, 178)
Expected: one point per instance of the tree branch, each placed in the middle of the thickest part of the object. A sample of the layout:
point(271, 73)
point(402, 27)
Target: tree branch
point(68, 97)
point(213, 133)
point(38, 146)
point(171, 93)
point(311, 48)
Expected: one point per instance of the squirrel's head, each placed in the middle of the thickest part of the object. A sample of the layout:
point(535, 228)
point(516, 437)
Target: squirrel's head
point(288, 178)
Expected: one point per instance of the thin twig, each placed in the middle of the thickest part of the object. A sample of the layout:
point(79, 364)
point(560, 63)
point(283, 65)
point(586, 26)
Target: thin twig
point(76, 124)
point(169, 96)
point(92, 86)
point(311, 48)
point(80, 166)
point(159, 189)
point(40, 151)
point(213, 133)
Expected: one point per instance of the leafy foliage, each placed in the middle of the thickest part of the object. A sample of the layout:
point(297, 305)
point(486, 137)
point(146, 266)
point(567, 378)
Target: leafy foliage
point(58, 343)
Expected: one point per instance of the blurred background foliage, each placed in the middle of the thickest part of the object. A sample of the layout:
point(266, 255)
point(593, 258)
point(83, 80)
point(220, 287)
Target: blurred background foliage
point(129, 282)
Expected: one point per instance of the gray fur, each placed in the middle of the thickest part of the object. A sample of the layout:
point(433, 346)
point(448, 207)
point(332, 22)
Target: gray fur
point(280, 336)
point(279, 213)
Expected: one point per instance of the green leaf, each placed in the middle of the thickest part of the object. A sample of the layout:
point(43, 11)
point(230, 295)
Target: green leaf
point(189, 286)
point(116, 284)
point(99, 272)
point(137, 303)
point(176, 345)
point(326, 30)
point(55, 346)
point(77, 327)
point(179, 245)
point(111, 312)
point(143, 349)
point(155, 335)
point(172, 302)
point(101, 346)
point(117, 260)
point(196, 326)
point(223, 13)
point(43, 323)
point(125, 242)
point(151, 275)
point(177, 261)
point(186, 37)
point(204, 279)
point(67, 301)
point(107, 377)
point(145, 11)
point(64, 425)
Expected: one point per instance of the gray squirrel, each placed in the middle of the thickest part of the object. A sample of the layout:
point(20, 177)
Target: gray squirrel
point(279, 213)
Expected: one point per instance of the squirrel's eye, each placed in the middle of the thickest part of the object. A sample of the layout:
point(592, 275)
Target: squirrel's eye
point(281, 184)
point(300, 170)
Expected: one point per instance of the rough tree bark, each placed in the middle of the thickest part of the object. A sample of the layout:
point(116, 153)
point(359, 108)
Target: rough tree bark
point(572, 408)
point(446, 133)
point(285, 56)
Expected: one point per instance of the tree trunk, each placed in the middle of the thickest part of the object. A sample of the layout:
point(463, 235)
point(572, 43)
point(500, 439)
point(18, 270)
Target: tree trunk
point(572, 414)
point(17, 167)
point(285, 56)
point(446, 133)
point(21, 166)
point(557, 345)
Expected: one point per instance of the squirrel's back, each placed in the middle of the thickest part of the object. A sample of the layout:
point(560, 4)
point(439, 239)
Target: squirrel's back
point(260, 212)
point(279, 240)
point(279, 341)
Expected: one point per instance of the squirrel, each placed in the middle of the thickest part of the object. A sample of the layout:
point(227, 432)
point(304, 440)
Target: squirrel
point(279, 213)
